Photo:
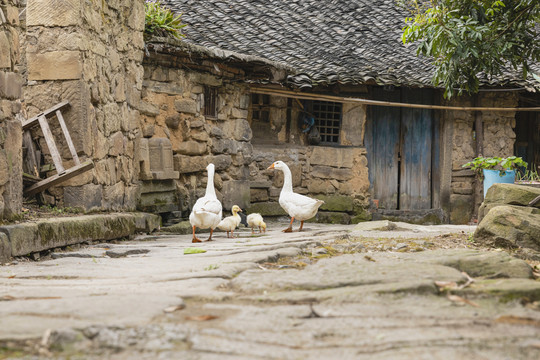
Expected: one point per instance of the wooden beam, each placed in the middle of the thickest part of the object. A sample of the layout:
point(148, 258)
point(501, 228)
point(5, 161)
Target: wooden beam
point(49, 139)
point(49, 112)
point(67, 137)
point(31, 158)
point(341, 99)
point(58, 179)
point(534, 201)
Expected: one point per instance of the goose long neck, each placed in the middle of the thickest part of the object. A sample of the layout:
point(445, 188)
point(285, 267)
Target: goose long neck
point(287, 182)
point(210, 184)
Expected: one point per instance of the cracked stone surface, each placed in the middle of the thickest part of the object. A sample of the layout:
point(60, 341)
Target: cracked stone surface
point(331, 292)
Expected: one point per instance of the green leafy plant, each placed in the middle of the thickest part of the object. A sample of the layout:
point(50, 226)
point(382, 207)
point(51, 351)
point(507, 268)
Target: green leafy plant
point(160, 21)
point(528, 176)
point(467, 38)
point(495, 163)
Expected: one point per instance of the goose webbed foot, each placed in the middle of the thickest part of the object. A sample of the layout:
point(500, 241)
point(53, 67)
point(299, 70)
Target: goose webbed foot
point(195, 239)
point(210, 237)
point(289, 229)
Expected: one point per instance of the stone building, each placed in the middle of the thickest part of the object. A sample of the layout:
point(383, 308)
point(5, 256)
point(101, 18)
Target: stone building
point(274, 67)
point(90, 54)
point(10, 112)
point(250, 84)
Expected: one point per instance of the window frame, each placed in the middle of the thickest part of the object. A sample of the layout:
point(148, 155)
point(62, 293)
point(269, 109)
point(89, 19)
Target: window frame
point(260, 106)
point(210, 102)
point(337, 109)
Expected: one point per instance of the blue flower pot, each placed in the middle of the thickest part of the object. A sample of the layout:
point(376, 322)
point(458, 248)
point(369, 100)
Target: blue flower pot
point(492, 177)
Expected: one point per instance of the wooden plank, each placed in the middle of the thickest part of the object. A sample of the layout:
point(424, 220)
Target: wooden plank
point(57, 159)
point(534, 201)
point(416, 152)
point(31, 178)
point(68, 137)
point(313, 96)
point(30, 158)
point(382, 143)
point(33, 121)
point(58, 179)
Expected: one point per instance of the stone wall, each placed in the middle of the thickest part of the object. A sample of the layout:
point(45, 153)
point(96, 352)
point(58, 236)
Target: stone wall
point(339, 176)
point(242, 149)
point(173, 108)
point(90, 53)
point(10, 109)
point(498, 140)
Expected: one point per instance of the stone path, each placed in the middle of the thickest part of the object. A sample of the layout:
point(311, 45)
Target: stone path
point(332, 292)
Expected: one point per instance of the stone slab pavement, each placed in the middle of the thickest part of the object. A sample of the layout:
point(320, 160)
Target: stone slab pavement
point(375, 291)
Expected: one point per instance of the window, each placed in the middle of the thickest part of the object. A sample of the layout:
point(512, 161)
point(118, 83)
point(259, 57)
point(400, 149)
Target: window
point(260, 107)
point(328, 120)
point(210, 102)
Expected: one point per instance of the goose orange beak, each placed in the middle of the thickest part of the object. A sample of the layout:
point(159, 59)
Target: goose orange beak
point(270, 167)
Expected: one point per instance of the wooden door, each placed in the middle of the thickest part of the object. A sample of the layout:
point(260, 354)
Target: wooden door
point(399, 143)
point(416, 145)
point(382, 142)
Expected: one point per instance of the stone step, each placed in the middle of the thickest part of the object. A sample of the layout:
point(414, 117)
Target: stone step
point(31, 237)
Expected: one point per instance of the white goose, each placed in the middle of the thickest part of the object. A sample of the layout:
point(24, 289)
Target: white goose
point(206, 212)
point(298, 206)
point(231, 222)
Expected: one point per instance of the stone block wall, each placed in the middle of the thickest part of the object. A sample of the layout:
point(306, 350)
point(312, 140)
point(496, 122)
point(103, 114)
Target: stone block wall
point(90, 53)
point(339, 176)
point(498, 140)
point(10, 111)
point(173, 108)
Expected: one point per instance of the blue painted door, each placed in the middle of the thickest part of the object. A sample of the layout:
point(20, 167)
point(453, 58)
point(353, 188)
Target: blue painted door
point(399, 143)
point(382, 142)
point(416, 145)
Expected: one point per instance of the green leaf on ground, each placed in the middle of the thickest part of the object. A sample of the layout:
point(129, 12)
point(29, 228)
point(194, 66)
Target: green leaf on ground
point(191, 250)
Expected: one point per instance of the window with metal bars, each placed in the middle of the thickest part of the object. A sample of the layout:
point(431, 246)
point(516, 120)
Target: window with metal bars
point(328, 120)
point(260, 107)
point(210, 102)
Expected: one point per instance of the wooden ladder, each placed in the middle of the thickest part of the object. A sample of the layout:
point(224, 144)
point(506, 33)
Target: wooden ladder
point(63, 174)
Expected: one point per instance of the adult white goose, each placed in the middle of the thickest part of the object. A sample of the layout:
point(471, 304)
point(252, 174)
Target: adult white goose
point(298, 206)
point(206, 212)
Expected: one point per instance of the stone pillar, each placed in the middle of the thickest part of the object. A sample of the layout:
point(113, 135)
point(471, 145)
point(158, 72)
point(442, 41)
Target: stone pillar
point(10, 108)
point(90, 53)
point(499, 137)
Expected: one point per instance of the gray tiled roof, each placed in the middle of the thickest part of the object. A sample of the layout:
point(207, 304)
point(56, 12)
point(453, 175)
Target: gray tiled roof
point(324, 41)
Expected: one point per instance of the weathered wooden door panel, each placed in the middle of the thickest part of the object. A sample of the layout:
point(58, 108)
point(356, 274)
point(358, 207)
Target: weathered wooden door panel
point(400, 144)
point(382, 142)
point(416, 146)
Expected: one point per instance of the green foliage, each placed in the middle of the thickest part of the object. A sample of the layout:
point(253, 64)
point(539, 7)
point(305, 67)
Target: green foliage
point(469, 37)
point(160, 21)
point(528, 175)
point(495, 163)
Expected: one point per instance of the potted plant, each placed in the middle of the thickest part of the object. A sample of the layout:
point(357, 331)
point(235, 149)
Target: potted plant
point(528, 177)
point(496, 169)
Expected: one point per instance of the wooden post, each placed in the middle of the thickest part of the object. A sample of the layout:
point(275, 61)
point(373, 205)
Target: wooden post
point(67, 137)
point(57, 159)
point(479, 125)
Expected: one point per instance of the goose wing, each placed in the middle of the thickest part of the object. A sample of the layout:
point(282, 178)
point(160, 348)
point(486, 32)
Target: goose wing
point(207, 205)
